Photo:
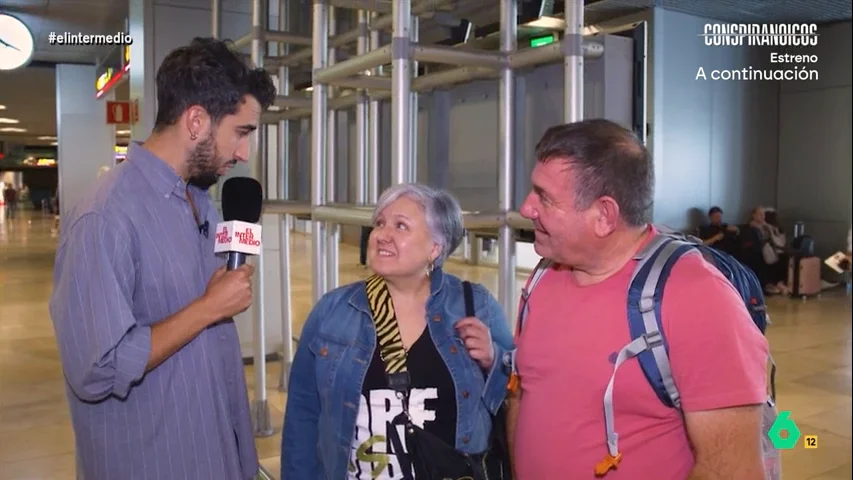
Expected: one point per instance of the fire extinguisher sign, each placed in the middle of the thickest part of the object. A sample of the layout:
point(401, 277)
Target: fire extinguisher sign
point(118, 113)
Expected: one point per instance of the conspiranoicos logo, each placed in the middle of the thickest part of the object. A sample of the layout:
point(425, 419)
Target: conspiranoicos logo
point(788, 58)
point(760, 35)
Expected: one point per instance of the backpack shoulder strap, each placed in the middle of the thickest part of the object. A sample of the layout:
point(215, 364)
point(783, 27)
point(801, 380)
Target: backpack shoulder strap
point(645, 295)
point(654, 263)
point(538, 272)
point(509, 357)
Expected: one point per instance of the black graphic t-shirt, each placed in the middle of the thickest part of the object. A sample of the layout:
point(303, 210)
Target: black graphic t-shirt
point(432, 406)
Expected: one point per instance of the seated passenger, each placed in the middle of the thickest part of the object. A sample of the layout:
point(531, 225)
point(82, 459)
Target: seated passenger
point(772, 266)
point(717, 234)
point(342, 418)
point(775, 238)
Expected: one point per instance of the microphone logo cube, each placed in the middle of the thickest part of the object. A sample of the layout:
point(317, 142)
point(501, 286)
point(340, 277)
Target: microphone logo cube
point(236, 236)
point(222, 236)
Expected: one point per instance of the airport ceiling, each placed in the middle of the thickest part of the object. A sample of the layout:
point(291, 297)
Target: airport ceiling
point(28, 95)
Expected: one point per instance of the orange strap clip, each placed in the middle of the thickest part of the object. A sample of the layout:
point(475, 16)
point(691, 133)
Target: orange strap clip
point(606, 464)
point(513, 383)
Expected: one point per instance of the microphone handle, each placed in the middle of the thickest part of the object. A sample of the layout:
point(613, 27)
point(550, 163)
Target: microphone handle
point(235, 260)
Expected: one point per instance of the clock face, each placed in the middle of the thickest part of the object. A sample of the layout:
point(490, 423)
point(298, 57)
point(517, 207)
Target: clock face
point(16, 43)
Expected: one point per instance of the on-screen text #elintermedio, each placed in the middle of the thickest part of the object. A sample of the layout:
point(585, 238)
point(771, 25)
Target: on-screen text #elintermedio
point(68, 38)
point(755, 34)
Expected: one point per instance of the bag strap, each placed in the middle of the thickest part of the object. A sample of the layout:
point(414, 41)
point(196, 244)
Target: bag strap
point(468, 292)
point(390, 342)
point(393, 356)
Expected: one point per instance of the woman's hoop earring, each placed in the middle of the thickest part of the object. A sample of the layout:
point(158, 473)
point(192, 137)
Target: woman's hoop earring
point(193, 136)
point(430, 268)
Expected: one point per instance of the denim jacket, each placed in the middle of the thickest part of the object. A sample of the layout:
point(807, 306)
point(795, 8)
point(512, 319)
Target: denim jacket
point(331, 361)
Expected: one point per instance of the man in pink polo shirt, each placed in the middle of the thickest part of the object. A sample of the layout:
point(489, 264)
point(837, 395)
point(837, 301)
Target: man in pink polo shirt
point(590, 206)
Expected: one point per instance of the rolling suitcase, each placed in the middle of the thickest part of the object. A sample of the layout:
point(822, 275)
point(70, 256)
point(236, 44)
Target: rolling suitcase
point(804, 276)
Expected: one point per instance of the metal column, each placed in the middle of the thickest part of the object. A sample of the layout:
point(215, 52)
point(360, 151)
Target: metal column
point(258, 50)
point(215, 32)
point(401, 83)
point(263, 154)
point(332, 229)
point(319, 122)
point(373, 129)
point(216, 18)
point(413, 111)
point(284, 88)
point(573, 61)
point(285, 220)
point(361, 119)
point(261, 412)
point(506, 149)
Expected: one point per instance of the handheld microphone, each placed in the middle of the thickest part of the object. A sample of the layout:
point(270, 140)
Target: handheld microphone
point(239, 234)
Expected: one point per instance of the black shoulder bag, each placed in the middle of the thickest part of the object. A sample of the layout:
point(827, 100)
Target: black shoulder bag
point(429, 457)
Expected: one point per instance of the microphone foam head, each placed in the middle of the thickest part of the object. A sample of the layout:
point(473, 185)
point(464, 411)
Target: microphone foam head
point(242, 199)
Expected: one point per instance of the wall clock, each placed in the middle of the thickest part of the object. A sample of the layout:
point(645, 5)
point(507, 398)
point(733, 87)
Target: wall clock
point(16, 43)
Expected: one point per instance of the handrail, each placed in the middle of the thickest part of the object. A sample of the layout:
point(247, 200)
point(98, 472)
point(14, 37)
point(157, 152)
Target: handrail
point(344, 215)
point(361, 215)
point(475, 220)
point(515, 220)
point(287, 207)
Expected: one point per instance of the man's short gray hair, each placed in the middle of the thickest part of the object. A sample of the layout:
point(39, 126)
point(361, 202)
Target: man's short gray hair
point(441, 209)
point(607, 160)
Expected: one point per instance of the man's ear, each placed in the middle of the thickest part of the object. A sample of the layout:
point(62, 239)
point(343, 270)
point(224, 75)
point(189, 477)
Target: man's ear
point(606, 212)
point(197, 121)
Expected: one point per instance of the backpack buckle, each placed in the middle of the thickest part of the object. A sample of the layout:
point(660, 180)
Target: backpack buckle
point(653, 339)
point(607, 463)
point(646, 304)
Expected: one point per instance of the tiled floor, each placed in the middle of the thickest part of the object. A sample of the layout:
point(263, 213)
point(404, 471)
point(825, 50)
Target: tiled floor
point(811, 343)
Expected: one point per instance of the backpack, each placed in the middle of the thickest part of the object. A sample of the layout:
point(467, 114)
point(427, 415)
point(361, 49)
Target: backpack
point(803, 246)
point(648, 342)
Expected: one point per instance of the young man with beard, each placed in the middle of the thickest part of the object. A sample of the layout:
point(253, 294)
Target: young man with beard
point(141, 306)
point(590, 204)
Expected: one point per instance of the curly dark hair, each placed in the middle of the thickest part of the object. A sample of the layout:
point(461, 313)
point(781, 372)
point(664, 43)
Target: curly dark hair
point(606, 159)
point(209, 74)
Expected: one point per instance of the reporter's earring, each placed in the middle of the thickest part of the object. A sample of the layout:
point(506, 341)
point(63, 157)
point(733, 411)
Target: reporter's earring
point(193, 136)
point(430, 267)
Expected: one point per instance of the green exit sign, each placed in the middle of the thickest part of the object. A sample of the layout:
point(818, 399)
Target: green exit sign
point(539, 41)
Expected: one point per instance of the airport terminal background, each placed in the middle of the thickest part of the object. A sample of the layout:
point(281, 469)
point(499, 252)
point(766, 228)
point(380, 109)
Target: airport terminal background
point(736, 144)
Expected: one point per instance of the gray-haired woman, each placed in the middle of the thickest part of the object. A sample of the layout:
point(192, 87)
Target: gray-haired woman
point(392, 369)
